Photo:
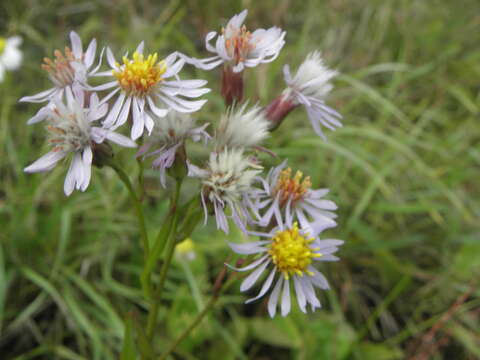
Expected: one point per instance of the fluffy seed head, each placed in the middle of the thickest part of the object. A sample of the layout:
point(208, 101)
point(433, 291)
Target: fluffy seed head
point(139, 75)
point(230, 174)
point(291, 252)
point(242, 128)
point(313, 77)
point(69, 129)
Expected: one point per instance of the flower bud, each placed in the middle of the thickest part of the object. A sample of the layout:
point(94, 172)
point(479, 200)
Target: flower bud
point(278, 110)
point(232, 86)
point(102, 154)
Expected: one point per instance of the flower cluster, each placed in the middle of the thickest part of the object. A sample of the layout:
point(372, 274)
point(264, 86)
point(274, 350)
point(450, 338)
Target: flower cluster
point(89, 106)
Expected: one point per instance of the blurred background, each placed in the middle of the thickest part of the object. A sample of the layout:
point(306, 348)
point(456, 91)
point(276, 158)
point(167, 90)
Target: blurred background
point(404, 171)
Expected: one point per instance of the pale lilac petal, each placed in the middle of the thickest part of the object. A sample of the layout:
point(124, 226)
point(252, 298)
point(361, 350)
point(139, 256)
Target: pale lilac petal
point(251, 279)
point(249, 248)
point(265, 287)
point(250, 266)
point(90, 53)
point(40, 97)
point(114, 111)
point(286, 303)
point(140, 48)
point(76, 45)
point(273, 301)
point(302, 302)
point(46, 162)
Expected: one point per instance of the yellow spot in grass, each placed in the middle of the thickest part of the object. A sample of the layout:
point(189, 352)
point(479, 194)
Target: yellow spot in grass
point(3, 43)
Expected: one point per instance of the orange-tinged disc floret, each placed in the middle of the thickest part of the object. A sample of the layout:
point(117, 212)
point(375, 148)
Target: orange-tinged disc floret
point(291, 188)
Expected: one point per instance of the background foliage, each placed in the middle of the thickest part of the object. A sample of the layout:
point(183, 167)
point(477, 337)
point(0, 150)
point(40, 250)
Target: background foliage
point(404, 171)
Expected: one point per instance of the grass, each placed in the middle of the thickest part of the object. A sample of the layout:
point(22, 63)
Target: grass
point(404, 171)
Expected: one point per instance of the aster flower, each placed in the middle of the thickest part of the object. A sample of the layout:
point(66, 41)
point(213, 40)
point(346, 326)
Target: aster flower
point(241, 128)
point(284, 196)
point(239, 48)
point(69, 70)
point(309, 87)
point(71, 132)
point(141, 85)
point(169, 133)
point(10, 54)
point(226, 182)
point(288, 255)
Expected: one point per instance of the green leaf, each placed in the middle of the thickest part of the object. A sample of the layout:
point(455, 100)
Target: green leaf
point(128, 348)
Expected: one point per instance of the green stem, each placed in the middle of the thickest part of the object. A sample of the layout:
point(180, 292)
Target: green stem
point(196, 321)
point(171, 242)
point(137, 204)
point(192, 326)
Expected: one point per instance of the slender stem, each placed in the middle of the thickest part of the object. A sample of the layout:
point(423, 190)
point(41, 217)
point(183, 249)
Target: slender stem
point(141, 187)
point(171, 241)
point(137, 204)
point(218, 290)
point(192, 326)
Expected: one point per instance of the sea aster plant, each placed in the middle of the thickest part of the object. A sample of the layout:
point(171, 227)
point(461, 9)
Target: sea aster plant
point(285, 196)
point(169, 134)
point(289, 254)
point(226, 182)
point(143, 89)
point(242, 128)
point(10, 54)
point(68, 71)
point(239, 48)
point(71, 132)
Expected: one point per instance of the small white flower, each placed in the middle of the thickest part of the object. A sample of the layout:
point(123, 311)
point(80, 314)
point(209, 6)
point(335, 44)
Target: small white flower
point(241, 128)
point(71, 131)
point(226, 182)
point(239, 48)
point(142, 85)
point(288, 256)
point(309, 87)
point(10, 54)
point(169, 133)
point(68, 71)
point(284, 196)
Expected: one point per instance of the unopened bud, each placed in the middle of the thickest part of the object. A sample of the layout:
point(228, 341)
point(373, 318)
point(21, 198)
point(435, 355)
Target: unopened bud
point(278, 110)
point(232, 86)
point(179, 168)
point(102, 154)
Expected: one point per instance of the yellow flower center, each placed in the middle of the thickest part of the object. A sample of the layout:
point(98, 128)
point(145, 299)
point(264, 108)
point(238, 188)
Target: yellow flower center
point(60, 70)
point(140, 75)
point(291, 252)
point(238, 46)
point(3, 43)
point(291, 188)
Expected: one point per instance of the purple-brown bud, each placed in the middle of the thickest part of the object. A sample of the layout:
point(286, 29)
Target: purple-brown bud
point(232, 86)
point(278, 110)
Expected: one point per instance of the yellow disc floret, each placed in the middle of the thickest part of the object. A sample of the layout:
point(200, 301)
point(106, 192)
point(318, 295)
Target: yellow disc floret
point(291, 252)
point(291, 188)
point(139, 75)
point(3, 43)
